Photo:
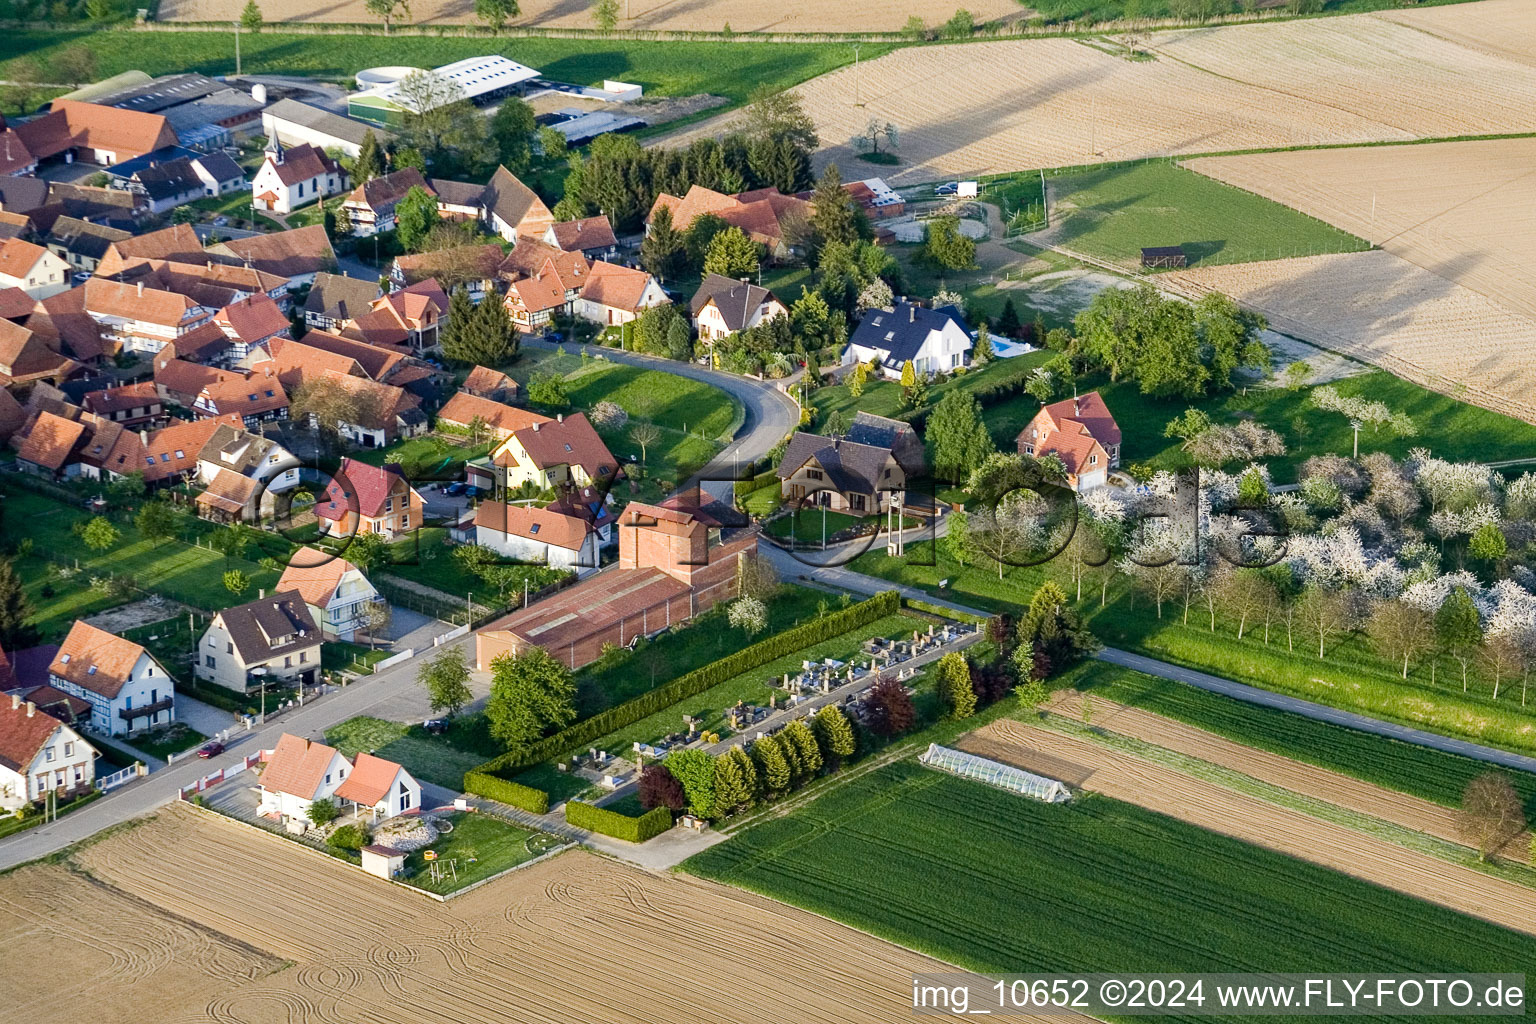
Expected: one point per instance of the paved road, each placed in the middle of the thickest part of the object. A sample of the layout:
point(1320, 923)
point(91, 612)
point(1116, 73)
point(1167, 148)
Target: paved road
point(1322, 713)
point(380, 694)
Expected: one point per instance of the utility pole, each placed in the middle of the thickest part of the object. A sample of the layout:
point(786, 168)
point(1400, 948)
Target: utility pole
point(856, 76)
point(237, 47)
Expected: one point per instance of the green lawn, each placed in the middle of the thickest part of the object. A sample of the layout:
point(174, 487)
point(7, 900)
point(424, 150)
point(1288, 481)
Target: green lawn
point(428, 757)
point(809, 525)
point(1013, 885)
point(668, 68)
point(338, 655)
point(1404, 767)
point(59, 594)
point(883, 397)
point(1090, 11)
point(666, 399)
point(428, 458)
point(171, 740)
point(480, 846)
point(1111, 212)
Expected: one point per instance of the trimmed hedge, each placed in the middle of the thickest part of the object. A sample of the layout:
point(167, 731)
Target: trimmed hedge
point(990, 393)
point(826, 627)
point(942, 612)
point(620, 826)
point(502, 791)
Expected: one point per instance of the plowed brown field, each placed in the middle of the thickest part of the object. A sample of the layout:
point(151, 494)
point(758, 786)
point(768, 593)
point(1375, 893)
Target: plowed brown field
point(666, 15)
point(1287, 773)
point(1158, 788)
point(1004, 106)
point(1465, 211)
point(1381, 309)
point(576, 938)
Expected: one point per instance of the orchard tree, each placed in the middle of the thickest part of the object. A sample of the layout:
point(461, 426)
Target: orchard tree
point(388, 11)
point(1458, 630)
point(531, 693)
point(446, 680)
point(644, 434)
point(1491, 814)
point(1325, 614)
point(1488, 544)
point(99, 534)
point(157, 520)
point(749, 615)
point(237, 582)
point(605, 14)
point(1400, 632)
point(496, 14)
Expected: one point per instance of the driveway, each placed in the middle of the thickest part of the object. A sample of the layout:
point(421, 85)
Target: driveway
point(205, 718)
point(412, 630)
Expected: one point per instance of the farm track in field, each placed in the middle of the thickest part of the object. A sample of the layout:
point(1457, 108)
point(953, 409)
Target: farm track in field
point(1165, 790)
point(191, 918)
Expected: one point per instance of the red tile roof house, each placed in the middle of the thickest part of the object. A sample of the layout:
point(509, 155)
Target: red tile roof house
point(335, 590)
point(567, 451)
point(252, 322)
point(409, 318)
point(614, 294)
point(128, 690)
point(291, 178)
point(139, 319)
point(530, 534)
point(512, 210)
point(381, 787)
point(484, 382)
point(40, 754)
point(371, 206)
point(498, 420)
point(593, 237)
point(48, 446)
point(368, 499)
point(94, 133)
point(1082, 433)
point(297, 773)
point(297, 254)
point(767, 216)
point(132, 405)
point(255, 398)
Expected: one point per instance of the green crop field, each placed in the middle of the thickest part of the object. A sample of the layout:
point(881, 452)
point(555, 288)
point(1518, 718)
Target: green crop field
point(1404, 767)
point(665, 68)
point(999, 883)
point(1112, 212)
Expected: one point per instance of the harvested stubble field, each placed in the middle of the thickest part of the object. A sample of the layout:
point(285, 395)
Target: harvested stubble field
point(1381, 309)
point(644, 15)
point(1463, 210)
point(1207, 805)
point(1503, 27)
point(982, 108)
point(573, 938)
point(1297, 776)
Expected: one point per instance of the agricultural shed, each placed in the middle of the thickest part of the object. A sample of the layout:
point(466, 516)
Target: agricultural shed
point(1164, 256)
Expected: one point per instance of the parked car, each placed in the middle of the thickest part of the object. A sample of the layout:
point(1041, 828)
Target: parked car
point(949, 188)
point(554, 336)
point(210, 749)
point(435, 726)
point(454, 489)
point(221, 221)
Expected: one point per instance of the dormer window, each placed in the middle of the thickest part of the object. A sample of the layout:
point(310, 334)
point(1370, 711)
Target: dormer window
point(91, 671)
point(64, 659)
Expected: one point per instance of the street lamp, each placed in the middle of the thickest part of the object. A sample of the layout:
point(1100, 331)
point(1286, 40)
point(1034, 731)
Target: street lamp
point(261, 673)
point(855, 74)
point(237, 46)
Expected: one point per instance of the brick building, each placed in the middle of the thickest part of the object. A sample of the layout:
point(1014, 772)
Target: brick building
point(673, 564)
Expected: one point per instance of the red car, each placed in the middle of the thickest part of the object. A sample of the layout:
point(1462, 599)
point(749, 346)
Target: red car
point(208, 750)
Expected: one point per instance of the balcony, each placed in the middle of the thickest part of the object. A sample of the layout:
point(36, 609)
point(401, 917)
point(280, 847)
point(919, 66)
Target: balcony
point(163, 704)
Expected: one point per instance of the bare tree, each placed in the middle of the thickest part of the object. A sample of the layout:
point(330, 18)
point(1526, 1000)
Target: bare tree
point(1400, 631)
point(1158, 582)
point(644, 434)
point(1325, 614)
point(1501, 656)
point(376, 618)
point(1000, 532)
point(1491, 814)
point(1245, 594)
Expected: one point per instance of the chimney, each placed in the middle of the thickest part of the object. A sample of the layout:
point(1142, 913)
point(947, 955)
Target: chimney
point(911, 314)
point(141, 289)
point(559, 417)
point(535, 428)
point(262, 593)
point(15, 701)
point(30, 708)
point(144, 435)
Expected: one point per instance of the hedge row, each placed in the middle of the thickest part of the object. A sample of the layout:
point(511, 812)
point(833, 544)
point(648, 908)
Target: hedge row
point(942, 612)
point(990, 393)
point(696, 682)
point(620, 826)
point(506, 792)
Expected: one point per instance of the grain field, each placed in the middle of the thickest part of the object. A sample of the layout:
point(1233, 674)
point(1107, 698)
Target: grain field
point(1156, 787)
point(574, 938)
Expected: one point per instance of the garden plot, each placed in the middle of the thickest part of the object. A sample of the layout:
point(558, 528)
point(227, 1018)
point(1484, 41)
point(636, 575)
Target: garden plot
point(1465, 211)
point(1379, 308)
point(608, 942)
point(1210, 806)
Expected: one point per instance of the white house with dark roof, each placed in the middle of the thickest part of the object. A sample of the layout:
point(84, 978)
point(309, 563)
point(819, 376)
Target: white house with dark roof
point(127, 689)
point(272, 639)
point(291, 178)
point(39, 755)
point(932, 340)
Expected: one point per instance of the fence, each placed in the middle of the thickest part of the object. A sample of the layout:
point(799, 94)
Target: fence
point(214, 778)
point(107, 783)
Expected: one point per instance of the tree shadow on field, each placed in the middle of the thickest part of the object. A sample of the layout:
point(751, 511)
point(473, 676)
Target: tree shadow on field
point(1196, 253)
